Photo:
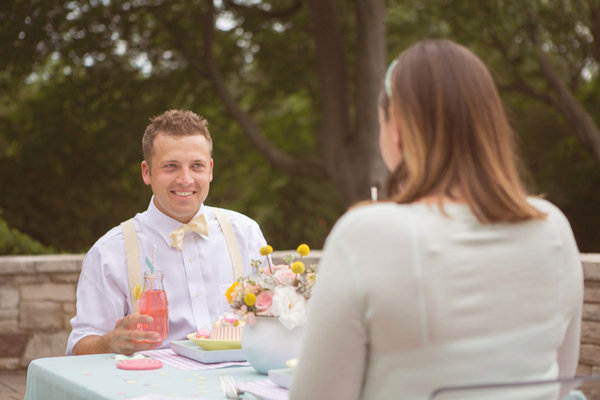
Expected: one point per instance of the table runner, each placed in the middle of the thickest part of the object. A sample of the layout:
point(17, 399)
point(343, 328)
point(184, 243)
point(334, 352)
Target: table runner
point(265, 388)
point(173, 359)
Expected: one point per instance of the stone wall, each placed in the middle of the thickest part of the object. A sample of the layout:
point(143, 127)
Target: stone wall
point(37, 300)
point(589, 353)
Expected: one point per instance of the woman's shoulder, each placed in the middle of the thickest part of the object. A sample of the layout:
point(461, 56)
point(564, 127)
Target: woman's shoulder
point(545, 206)
point(366, 217)
point(373, 210)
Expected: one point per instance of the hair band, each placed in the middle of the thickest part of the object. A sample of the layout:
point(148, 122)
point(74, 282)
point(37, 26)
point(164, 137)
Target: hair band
point(388, 77)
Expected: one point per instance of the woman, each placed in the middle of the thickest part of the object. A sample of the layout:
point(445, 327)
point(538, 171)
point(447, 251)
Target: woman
point(459, 278)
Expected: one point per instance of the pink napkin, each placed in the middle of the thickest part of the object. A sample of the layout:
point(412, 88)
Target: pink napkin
point(265, 388)
point(169, 357)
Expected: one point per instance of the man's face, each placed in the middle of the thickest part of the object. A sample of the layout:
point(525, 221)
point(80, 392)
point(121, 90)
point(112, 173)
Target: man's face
point(180, 173)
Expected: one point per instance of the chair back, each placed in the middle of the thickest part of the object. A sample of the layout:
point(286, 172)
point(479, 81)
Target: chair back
point(576, 388)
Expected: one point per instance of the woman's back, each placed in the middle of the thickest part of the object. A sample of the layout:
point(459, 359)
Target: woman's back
point(440, 299)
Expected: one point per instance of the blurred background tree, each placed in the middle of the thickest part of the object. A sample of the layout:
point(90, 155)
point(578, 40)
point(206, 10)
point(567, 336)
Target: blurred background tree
point(289, 89)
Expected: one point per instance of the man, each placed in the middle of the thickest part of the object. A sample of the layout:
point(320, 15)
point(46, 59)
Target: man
point(198, 267)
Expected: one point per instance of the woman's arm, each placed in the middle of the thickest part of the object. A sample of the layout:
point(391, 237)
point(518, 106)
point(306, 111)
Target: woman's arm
point(334, 351)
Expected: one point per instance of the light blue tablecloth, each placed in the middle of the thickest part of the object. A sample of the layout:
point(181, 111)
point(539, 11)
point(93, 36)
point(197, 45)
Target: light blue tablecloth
point(96, 377)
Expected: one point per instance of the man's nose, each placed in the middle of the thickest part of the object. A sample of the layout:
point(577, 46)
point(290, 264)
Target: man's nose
point(185, 177)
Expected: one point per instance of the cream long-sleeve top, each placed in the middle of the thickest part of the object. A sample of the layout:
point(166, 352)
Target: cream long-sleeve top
point(195, 280)
point(408, 299)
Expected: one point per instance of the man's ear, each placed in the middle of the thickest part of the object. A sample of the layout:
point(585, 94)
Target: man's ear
point(212, 164)
point(146, 173)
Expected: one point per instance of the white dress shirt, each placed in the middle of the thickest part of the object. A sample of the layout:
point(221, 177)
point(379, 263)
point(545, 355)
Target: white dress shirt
point(408, 299)
point(195, 280)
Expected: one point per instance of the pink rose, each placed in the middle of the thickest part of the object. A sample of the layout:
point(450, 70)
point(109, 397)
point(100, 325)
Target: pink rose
point(279, 267)
point(267, 271)
point(264, 301)
point(249, 318)
point(250, 288)
point(285, 277)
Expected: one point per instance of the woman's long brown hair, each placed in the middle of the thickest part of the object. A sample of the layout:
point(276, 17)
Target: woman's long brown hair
point(456, 138)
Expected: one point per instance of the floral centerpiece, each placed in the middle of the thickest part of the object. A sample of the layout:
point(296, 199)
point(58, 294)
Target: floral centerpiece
point(276, 291)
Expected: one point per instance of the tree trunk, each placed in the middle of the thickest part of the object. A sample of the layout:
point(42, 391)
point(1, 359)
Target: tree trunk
point(371, 65)
point(350, 151)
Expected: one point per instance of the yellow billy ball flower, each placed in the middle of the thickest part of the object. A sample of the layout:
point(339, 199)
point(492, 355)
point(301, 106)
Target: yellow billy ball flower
point(250, 299)
point(266, 250)
point(303, 250)
point(298, 267)
point(137, 291)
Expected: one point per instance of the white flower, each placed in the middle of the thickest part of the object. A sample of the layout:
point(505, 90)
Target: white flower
point(289, 306)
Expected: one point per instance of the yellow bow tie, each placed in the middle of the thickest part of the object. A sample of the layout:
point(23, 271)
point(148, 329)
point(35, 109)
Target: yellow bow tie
point(197, 225)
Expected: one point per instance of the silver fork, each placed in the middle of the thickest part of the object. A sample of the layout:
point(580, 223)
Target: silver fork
point(229, 387)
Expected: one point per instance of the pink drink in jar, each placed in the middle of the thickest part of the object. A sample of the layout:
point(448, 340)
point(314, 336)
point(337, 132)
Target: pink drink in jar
point(154, 303)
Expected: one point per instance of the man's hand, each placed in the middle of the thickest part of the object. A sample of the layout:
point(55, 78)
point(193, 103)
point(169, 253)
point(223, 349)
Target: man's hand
point(123, 339)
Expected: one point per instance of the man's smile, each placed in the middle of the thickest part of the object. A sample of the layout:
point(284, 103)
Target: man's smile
point(183, 194)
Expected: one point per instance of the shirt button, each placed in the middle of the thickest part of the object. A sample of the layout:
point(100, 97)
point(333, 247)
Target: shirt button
point(190, 260)
point(197, 294)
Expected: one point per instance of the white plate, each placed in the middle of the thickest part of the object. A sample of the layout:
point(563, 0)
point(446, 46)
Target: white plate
point(188, 349)
point(281, 377)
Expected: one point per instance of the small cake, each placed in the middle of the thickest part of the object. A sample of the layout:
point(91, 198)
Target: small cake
point(227, 327)
point(202, 333)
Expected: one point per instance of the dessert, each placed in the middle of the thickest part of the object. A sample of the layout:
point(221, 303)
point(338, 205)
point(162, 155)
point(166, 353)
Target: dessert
point(227, 327)
point(202, 333)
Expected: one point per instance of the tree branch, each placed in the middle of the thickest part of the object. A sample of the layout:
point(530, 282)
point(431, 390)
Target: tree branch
point(583, 124)
point(312, 168)
point(520, 83)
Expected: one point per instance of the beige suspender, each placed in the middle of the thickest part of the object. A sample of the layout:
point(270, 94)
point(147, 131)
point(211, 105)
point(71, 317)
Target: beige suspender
point(133, 258)
point(232, 243)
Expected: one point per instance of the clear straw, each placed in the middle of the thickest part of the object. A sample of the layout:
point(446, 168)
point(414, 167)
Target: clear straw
point(154, 255)
point(374, 193)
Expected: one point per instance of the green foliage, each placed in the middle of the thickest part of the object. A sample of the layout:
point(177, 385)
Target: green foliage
point(13, 242)
point(75, 152)
point(501, 32)
point(73, 134)
point(76, 103)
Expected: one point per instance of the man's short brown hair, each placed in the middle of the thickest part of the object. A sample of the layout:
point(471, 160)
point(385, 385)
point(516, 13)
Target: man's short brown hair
point(174, 123)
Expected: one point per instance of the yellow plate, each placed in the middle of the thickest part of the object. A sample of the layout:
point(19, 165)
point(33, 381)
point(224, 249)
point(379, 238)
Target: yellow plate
point(210, 344)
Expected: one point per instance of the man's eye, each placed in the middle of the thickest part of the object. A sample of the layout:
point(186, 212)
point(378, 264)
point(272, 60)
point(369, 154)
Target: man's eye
point(170, 166)
point(198, 165)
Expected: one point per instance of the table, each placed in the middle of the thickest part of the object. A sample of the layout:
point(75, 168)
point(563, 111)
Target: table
point(96, 377)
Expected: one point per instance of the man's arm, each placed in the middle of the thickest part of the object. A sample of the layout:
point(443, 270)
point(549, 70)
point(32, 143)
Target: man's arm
point(124, 339)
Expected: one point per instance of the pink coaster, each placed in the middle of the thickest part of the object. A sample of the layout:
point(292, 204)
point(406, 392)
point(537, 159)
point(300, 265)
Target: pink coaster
point(140, 364)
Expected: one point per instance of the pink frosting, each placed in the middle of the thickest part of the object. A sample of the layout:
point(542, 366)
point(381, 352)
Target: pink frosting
point(202, 333)
point(230, 318)
point(227, 319)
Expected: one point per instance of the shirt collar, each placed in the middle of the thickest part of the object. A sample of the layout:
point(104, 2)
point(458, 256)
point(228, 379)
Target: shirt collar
point(164, 224)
